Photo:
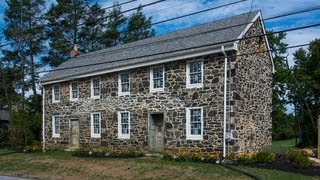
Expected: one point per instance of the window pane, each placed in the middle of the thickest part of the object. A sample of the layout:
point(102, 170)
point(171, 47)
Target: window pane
point(195, 121)
point(96, 87)
point(57, 125)
point(125, 123)
point(125, 83)
point(96, 123)
point(56, 92)
point(74, 90)
point(158, 78)
point(195, 73)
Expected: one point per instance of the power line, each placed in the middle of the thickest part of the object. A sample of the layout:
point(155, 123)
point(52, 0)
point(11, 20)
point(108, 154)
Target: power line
point(208, 45)
point(171, 19)
point(109, 7)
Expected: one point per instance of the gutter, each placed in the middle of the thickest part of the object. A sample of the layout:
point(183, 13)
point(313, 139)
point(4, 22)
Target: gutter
point(224, 102)
point(43, 119)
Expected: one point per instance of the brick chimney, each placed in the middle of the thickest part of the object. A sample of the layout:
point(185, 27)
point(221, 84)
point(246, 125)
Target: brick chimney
point(75, 52)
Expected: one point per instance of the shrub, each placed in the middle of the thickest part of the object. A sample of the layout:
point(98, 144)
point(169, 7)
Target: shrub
point(182, 156)
point(103, 153)
point(212, 157)
point(298, 159)
point(34, 147)
point(265, 157)
point(167, 156)
point(196, 156)
point(246, 158)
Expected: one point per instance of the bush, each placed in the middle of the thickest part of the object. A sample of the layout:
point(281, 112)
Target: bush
point(298, 159)
point(167, 156)
point(246, 158)
point(265, 157)
point(34, 147)
point(212, 157)
point(182, 156)
point(106, 153)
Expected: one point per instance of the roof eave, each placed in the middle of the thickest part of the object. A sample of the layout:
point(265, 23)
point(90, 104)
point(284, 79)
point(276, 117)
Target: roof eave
point(199, 52)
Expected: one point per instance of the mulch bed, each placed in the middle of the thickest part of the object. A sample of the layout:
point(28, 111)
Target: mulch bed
point(284, 165)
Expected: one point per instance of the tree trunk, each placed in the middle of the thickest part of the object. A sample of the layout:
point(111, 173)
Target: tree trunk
point(319, 137)
point(4, 85)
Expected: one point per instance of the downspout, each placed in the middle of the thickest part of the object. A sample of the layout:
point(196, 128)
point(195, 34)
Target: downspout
point(43, 119)
point(224, 103)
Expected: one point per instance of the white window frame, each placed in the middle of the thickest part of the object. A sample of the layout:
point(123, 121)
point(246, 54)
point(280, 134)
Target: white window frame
point(95, 135)
point(71, 91)
point(152, 89)
point(120, 85)
point(188, 84)
point(120, 135)
point(53, 93)
point(190, 136)
point(92, 90)
point(54, 134)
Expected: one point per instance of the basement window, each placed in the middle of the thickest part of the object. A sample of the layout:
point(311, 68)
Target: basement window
point(124, 125)
point(55, 126)
point(194, 126)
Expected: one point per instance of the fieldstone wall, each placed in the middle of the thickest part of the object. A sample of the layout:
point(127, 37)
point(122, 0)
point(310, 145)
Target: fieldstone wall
point(173, 101)
point(251, 97)
point(249, 104)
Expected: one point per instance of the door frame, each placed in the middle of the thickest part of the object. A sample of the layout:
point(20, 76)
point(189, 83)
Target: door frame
point(164, 113)
point(70, 133)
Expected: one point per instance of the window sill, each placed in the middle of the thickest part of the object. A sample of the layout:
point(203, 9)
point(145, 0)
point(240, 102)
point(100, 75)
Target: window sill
point(189, 86)
point(197, 138)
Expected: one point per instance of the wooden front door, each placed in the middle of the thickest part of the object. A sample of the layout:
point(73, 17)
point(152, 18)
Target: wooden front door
point(156, 132)
point(74, 133)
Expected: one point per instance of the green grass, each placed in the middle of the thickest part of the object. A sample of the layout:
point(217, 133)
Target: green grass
point(267, 174)
point(60, 164)
point(289, 143)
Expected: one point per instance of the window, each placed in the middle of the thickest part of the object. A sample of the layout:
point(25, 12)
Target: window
point(124, 84)
point(194, 74)
point(95, 88)
point(56, 93)
point(55, 126)
point(95, 125)
point(157, 79)
point(124, 125)
point(73, 91)
point(194, 123)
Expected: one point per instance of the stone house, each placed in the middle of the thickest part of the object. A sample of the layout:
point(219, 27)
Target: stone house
point(205, 87)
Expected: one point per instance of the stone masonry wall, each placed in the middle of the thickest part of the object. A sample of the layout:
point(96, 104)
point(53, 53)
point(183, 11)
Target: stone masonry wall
point(174, 100)
point(249, 115)
point(251, 100)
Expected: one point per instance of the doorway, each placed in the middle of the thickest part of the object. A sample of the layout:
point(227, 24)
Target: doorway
point(74, 133)
point(156, 131)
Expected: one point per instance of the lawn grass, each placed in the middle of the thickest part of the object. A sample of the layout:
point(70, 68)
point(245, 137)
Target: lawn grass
point(289, 143)
point(268, 174)
point(61, 165)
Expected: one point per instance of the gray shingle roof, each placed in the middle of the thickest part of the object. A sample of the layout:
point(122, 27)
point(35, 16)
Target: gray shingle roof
point(169, 45)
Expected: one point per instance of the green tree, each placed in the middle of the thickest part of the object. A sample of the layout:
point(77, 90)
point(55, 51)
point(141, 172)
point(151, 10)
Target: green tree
point(92, 30)
point(23, 27)
point(305, 89)
point(63, 28)
point(115, 24)
point(282, 123)
point(138, 27)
